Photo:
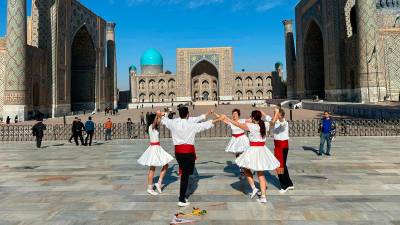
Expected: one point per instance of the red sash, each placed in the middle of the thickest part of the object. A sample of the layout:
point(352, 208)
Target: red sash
point(237, 135)
point(278, 150)
point(257, 144)
point(154, 143)
point(184, 149)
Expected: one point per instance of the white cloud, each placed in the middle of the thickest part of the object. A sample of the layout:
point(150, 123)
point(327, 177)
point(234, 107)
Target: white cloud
point(235, 5)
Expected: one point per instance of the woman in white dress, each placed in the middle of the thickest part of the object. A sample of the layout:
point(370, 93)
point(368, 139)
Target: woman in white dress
point(154, 156)
point(257, 157)
point(239, 141)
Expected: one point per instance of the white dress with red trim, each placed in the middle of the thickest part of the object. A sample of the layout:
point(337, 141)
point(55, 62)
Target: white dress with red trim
point(154, 155)
point(257, 157)
point(239, 141)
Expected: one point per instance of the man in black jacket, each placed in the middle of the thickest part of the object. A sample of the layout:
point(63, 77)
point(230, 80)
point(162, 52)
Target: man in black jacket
point(38, 132)
point(77, 129)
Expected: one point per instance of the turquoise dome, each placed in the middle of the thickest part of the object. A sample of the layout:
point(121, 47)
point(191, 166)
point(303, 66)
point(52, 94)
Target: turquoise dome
point(278, 65)
point(132, 67)
point(151, 57)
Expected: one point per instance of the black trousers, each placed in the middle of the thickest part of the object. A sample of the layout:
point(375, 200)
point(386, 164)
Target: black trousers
point(39, 141)
point(89, 136)
point(76, 135)
point(284, 178)
point(186, 163)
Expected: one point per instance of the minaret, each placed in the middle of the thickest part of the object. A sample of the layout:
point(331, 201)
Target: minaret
point(133, 84)
point(290, 59)
point(112, 58)
point(367, 49)
point(16, 98)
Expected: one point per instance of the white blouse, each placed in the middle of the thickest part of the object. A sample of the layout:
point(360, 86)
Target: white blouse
point(154, 135)
point(255, 135)
point(235, 129)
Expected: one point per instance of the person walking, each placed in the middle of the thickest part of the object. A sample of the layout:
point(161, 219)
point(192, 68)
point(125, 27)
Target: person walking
point(89, 128)
point(16, 119)
point(8, 120)
point(129, 127)
point(327, 130)
point(280, 130)
point(73, 129)
point(108, 126)
point(38, 132)
point(142, 119)
point(78, 128)
point(183, 131)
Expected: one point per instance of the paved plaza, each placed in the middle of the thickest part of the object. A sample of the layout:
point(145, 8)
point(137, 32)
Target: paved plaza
point(103, 184)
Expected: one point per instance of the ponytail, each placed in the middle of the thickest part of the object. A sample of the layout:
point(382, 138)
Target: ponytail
point(263, 129)
point(150, 121)
point(257, 116)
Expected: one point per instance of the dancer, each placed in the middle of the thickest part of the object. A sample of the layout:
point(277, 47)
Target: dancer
point(239, 141)
point(257, 157)
point(154, 156)
point(280, 130)
point(183, 131)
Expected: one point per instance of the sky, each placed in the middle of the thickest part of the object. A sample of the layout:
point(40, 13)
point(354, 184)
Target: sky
point(252, 27)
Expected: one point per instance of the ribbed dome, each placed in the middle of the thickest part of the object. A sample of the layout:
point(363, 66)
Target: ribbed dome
point(151, 57)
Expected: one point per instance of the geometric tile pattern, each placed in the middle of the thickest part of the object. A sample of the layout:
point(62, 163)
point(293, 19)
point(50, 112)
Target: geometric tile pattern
point(392, 54)
point(367, 35)
point(213, 58)
point(2, 79)
point(16, 46)
point(347, 9)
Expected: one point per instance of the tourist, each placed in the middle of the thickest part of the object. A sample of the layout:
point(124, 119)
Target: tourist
point(257, 157)
point(8, 120)
point(108, 126)
point(141, 119)
point(154, 156)
point(129, 127)
point(72, 129)
point(38, 132)
point(183, 131)
point(280, 130)
point(89, 128)
point(327, 128)
point(78, 127)
point(147, 117)
point(16, 119)
point(239, 141)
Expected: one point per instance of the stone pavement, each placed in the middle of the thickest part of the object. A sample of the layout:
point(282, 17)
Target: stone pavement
point(103, 184)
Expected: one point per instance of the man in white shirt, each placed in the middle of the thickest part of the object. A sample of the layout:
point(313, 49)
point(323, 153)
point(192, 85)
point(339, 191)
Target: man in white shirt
point(280, 129)
point(183, 131)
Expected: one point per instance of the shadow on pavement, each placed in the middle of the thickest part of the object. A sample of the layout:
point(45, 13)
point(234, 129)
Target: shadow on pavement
point(307, 148)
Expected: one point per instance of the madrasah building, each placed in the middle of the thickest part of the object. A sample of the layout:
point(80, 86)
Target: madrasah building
point(204, 76)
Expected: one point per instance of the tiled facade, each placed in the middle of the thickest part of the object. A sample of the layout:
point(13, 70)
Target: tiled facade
point(204, 75)
point(347, 50)
point(48, 74)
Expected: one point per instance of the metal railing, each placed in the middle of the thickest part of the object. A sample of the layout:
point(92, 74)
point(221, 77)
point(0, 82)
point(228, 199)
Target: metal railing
point(300, 128)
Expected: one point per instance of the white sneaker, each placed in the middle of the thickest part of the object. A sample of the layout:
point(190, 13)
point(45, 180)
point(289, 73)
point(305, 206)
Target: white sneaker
point(183, 204)
point(151, 192)
point(283, 191)
point(158, 188)
point(262, 200)
point(254, 193)
point(291, 188)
